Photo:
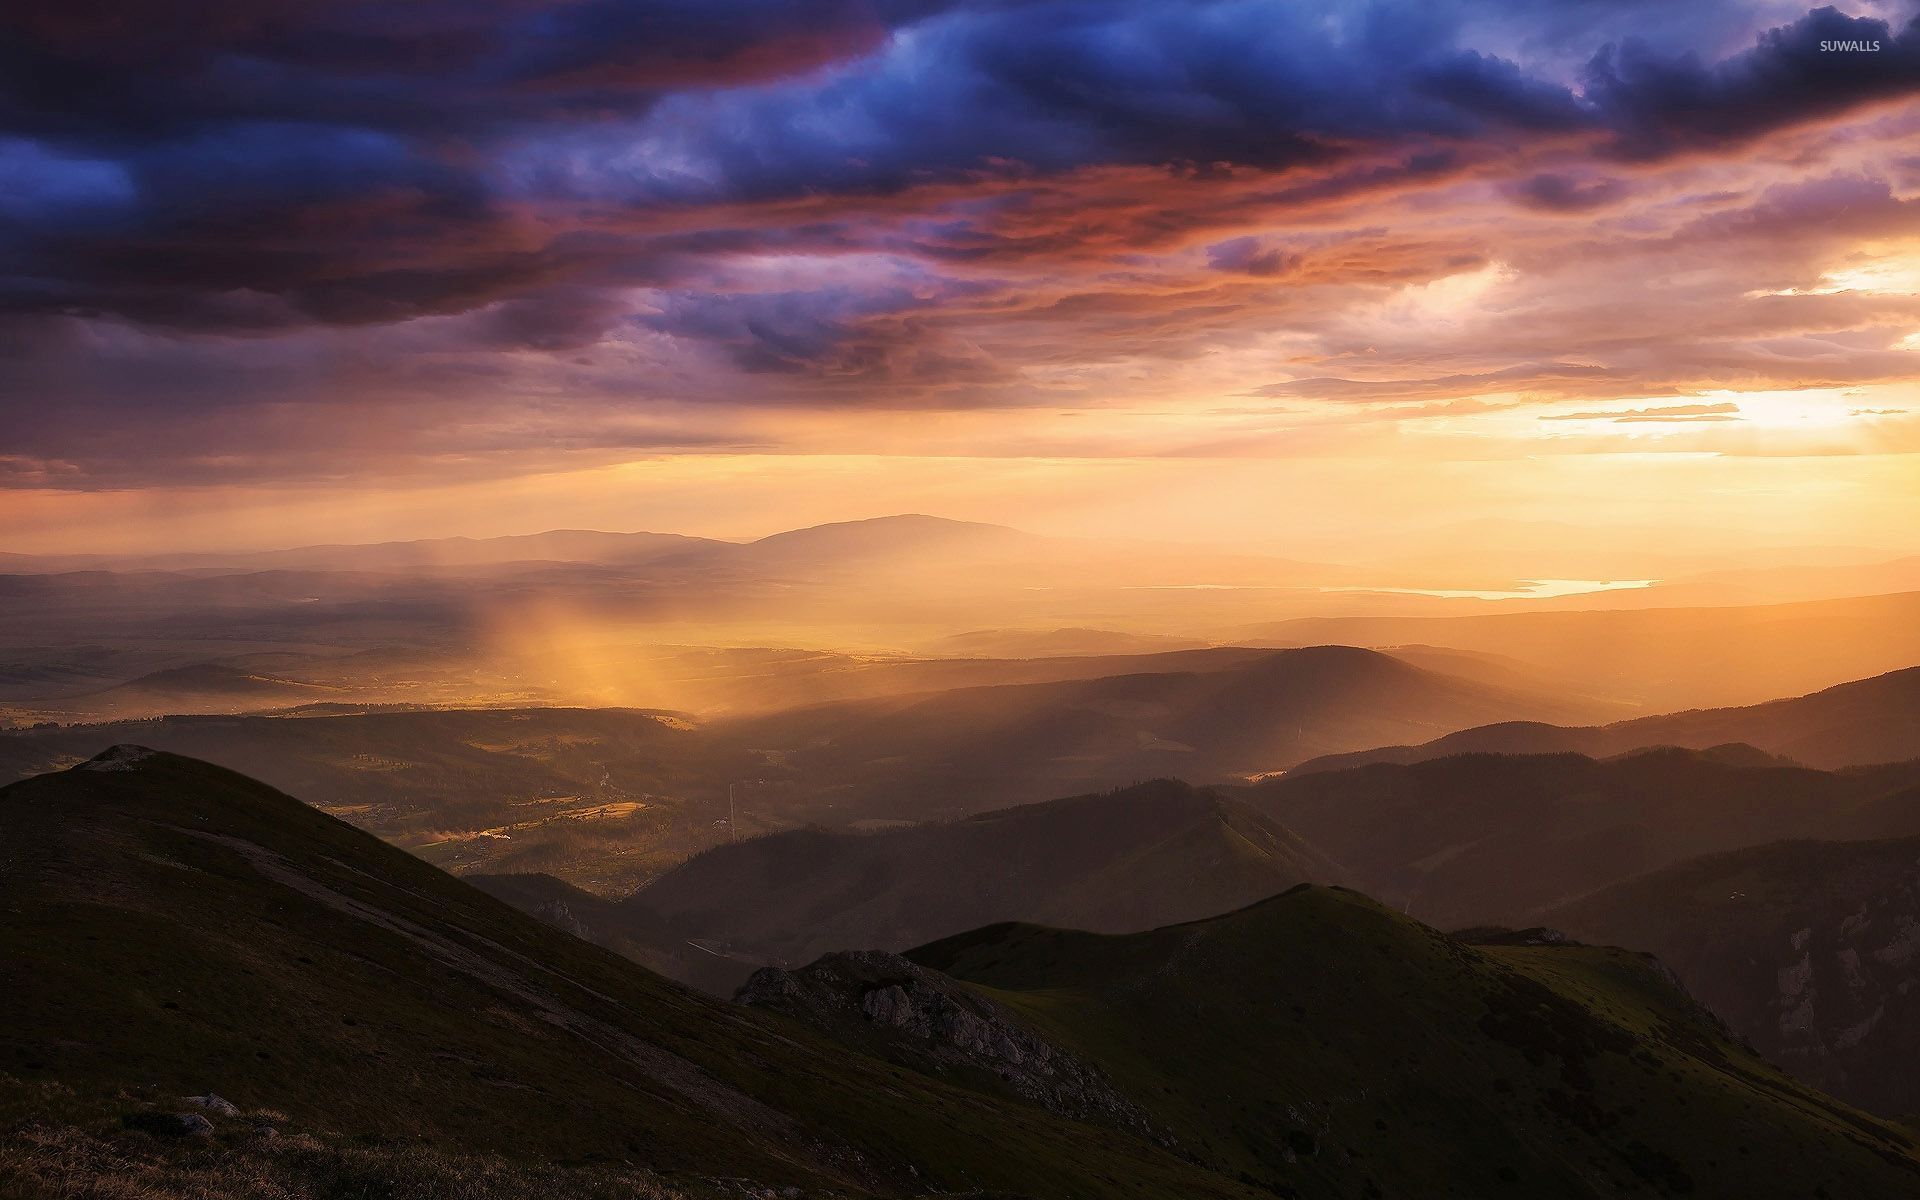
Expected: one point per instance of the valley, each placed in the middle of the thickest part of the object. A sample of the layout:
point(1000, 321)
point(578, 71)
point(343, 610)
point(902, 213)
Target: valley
point(995, 866)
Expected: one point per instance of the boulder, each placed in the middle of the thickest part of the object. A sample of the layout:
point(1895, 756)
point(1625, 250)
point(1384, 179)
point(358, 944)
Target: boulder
point(169, 1125)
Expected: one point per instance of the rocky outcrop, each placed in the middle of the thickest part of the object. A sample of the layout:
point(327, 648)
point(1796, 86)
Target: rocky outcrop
point(1846, 997)
point(169, 1125)
point(1809, 951)
point(884, 1004)
point(117, 758)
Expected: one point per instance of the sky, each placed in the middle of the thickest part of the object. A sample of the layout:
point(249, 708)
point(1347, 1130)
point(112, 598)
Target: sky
point(1297, 275)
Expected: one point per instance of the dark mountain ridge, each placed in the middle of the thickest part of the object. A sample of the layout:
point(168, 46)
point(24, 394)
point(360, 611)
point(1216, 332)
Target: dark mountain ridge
point(1127, 860)
point(1034, 741)
point(1873, 720)
point(1656, 659)
point(1478, 839)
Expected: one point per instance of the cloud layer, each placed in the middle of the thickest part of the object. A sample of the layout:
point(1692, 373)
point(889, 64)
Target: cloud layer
point(312, 240)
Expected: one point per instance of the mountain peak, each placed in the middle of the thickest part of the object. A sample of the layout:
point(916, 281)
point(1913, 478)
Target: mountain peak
point(895, 525)
point(123, 757)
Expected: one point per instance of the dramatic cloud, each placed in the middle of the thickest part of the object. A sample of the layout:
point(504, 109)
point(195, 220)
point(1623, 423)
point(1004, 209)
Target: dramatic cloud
point(301, 238)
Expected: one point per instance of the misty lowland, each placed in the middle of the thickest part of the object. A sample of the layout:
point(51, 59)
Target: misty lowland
point(972, 599)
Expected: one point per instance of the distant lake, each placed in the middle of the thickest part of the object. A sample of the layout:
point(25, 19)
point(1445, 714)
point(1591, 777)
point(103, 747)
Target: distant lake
point(1528, 589)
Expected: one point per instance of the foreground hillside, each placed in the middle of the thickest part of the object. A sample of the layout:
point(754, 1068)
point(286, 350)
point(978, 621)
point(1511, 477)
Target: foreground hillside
point(1867, 721)
point(1497, 838)
point(1810, 949)
point(175, 930)
point(215, 992)
point(1145, 856)
point(1319, 1044)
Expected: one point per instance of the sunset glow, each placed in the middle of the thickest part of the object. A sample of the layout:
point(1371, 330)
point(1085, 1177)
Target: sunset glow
point(896, 262)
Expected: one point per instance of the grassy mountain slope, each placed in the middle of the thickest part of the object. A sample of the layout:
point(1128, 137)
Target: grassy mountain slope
point(1128, 860)
point(1494, 839)
point(174, 929)
point(1324, 1045)
point(1811, 950)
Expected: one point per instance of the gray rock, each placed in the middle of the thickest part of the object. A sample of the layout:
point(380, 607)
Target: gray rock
point(921, 1018)
point(215, 1104)
point(169, 1125)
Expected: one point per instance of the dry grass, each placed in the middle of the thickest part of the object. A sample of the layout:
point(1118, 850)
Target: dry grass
point(68, 1163)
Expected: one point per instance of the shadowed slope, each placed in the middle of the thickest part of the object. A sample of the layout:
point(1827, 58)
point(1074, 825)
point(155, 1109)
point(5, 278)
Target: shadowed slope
point(1128, 860)
point(1809, 949)
point(1494, 839)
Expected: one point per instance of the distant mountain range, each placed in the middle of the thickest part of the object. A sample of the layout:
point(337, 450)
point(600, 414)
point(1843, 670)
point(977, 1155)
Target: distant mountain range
point(711, 680)
point(906, 542)
point(583, 617)
point(268, 997)
point(1867, 721)
point(1658, 659)
point(448, 777)
point(969, 749)
point(558, 545)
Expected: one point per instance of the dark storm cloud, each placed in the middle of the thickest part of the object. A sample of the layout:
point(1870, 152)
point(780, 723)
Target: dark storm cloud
point(1553, 192)
point(258, 167)
point(836, 331)
point(1661, 101)
point(1053, 87)
point(120, 71)
point(206, 207)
